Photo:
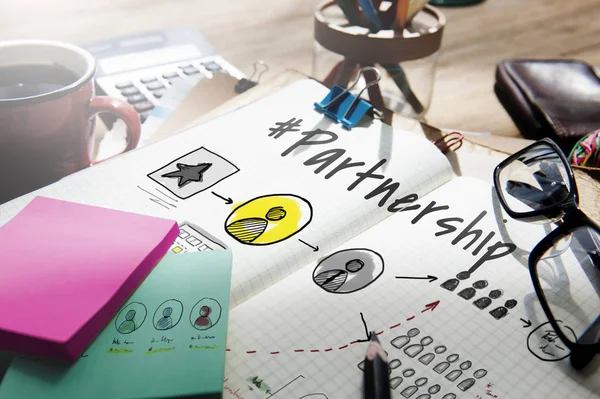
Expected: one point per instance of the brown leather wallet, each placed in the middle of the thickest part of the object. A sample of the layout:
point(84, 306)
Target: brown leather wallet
point(559, 99)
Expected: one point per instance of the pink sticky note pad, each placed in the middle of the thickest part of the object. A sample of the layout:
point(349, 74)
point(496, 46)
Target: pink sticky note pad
point(66, 268)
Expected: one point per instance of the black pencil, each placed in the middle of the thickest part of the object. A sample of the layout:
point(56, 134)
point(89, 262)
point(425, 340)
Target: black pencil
point(376, 376)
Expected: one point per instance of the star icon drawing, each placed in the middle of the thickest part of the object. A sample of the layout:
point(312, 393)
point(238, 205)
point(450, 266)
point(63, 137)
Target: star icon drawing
point(188, 173)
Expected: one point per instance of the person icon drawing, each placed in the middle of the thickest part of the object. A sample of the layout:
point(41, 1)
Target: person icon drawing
point(165, 322)
point(205, 314)
point(128, 325)
point(131, 317)
point(203, 322)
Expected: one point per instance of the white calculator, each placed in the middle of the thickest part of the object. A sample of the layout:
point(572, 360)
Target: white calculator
point(141, 68)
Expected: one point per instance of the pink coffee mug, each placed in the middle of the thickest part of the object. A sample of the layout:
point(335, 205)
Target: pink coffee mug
point(47, 109)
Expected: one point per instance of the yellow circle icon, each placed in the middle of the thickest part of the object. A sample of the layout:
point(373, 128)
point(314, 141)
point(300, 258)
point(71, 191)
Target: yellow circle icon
point(268, 219)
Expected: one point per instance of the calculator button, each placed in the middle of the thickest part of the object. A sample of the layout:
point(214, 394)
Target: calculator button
point(143, 106)
point(129, 91)
point(123, 84)
point(136, 98)
point(186, 66)
point(143, 116)
point(190, 70)
point(155, 86)
point(148, 79)
point(159, 93)
point(170, 75)
point(211, 66)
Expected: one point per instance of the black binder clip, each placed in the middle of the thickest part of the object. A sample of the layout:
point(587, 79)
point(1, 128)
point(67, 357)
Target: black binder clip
point(344, 107)
point(245, 84)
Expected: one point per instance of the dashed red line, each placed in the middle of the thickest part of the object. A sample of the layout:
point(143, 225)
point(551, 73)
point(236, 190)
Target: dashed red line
point(228, 350)
point(328, 349)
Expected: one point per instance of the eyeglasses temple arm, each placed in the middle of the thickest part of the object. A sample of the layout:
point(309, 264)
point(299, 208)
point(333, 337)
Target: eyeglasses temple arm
point(591, 335)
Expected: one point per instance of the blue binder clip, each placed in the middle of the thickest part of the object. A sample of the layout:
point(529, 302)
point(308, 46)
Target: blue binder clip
point(342, 106)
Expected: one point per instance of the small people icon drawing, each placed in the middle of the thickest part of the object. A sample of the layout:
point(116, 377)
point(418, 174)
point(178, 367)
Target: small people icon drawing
point(203, 322)
point(452, 283)
point(469, 293)
point(402, 340)
point(469, 382)
point(431, 391)
point(486, 301)
point(128, 325)
point(442, 366)
point(394, 364)
point(454, 374)
point(428, 357)
point(165, 322)
point(395, 382)
point(414, 349)
point(411, 390)
point(408, 372)
point(502, 311)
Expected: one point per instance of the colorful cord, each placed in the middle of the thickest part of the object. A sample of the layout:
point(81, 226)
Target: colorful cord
point(587, 151)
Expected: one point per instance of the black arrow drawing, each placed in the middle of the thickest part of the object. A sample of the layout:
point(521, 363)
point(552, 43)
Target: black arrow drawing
point(227, 200)
point(527, 323)
point(367, 332)
point(313, 248)
point(430, 278)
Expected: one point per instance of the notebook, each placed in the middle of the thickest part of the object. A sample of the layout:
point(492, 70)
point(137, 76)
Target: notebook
point(66, 267)
point(167, 340)
point(322, 221)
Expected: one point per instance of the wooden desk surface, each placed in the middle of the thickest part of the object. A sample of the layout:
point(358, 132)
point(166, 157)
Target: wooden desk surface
point(280, 32)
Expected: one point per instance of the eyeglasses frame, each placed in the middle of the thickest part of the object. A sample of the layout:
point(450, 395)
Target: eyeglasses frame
point(572, 218)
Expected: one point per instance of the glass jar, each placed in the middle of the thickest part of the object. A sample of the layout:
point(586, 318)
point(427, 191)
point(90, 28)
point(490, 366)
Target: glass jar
point(407, 60)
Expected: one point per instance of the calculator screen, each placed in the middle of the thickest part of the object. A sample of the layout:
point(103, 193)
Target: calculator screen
point(148, 58)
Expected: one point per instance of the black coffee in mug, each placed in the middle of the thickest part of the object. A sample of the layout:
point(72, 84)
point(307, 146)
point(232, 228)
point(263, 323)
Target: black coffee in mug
point(27, 80)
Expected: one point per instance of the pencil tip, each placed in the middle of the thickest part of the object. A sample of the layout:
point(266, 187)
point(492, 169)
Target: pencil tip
point(373, 336)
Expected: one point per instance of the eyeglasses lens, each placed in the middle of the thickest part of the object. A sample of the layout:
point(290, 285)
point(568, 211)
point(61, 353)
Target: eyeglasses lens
point(536, 180)
point(570, 283)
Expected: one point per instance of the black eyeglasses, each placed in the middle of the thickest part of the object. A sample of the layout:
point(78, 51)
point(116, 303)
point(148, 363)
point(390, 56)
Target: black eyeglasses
point(537, 184)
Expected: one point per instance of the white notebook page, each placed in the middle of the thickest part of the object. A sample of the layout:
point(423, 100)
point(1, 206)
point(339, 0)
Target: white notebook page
point(244, 150)
point(298, 340)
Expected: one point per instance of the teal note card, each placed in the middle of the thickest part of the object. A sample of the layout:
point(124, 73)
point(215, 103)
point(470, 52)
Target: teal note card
point(168, 340)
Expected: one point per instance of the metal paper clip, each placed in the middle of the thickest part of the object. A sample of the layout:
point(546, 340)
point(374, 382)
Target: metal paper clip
point(245, 84)
point(449, 142)
point(344, 107)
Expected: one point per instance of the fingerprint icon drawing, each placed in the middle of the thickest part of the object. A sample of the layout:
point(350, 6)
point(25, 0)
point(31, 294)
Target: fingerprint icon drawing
point(348, 270)
point(268, 219)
